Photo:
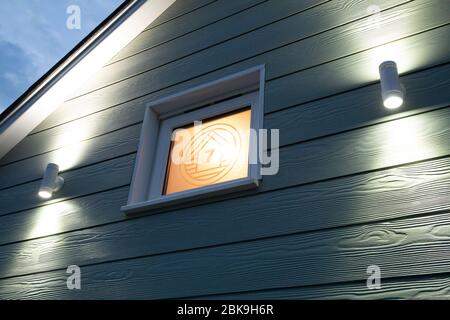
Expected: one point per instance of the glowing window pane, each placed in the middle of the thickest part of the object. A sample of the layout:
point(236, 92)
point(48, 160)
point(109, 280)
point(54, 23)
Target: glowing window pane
point(212, 152)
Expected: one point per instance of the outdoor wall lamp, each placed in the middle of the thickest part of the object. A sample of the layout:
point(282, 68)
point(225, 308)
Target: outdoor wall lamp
point(392, 91)
point(51, 182)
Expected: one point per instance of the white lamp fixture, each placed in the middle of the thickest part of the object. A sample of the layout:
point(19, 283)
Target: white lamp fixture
point(51, 182)
point(392, 91)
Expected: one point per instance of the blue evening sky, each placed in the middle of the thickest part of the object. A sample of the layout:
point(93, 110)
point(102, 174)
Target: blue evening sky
point(34, 36)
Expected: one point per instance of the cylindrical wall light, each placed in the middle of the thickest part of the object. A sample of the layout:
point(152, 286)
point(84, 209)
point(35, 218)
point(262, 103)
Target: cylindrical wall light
point(51, 182)
point(392, 91)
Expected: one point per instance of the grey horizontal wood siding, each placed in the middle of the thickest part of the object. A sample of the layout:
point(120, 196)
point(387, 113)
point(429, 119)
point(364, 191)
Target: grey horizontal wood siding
point(211, 14)
point(358, 184)
point(322, 257)
point(335, 203)
point(178, 10)
point(422, 287)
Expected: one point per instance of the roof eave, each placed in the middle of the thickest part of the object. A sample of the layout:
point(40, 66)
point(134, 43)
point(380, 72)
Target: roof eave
point(49, 92)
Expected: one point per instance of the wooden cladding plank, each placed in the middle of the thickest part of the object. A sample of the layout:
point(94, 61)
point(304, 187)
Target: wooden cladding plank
point(434, 287)
point(141, 69)
point(395, 193)
point(178, 9)
point(90, 179)
point(418, 288)
point(327, 116)
point(185, 25)
point(64, 216)
point(71, 153)
point(406, 247)
point(428, 49)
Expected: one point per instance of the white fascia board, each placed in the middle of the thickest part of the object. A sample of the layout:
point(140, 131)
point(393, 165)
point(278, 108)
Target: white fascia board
point(71, 75)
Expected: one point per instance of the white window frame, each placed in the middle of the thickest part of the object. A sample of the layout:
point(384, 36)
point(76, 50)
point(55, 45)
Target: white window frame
point(244, 89)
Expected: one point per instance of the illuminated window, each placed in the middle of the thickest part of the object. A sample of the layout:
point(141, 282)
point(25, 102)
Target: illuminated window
point(199, 143)
point(215, 151)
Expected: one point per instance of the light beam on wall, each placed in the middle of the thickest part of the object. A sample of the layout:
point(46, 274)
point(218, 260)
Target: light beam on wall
point(404, 142)
point(71, 145)
point(49, 219)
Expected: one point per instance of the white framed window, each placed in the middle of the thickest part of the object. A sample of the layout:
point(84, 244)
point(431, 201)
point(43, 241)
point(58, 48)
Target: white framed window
point(199, 143)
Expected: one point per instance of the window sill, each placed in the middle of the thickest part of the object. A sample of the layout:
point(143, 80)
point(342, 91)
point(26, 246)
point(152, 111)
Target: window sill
point(188, 196)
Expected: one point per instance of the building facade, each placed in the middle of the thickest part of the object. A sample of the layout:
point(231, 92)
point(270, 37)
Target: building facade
point(359, 186)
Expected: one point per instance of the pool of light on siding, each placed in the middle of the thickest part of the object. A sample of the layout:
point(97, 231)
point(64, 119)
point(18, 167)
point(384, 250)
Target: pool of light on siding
point(50, 219)
point(404, 142)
